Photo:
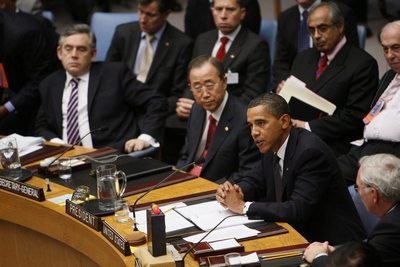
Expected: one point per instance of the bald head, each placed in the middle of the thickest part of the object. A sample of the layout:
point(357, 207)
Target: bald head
point(389, 38)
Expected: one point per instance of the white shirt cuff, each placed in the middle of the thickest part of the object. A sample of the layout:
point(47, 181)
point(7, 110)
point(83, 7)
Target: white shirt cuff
point(9, 106)
point(149, 139)
point(307, 126)
point(246, 207)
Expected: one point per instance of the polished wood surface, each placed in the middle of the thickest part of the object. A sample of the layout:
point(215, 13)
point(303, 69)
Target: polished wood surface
point(42, 234)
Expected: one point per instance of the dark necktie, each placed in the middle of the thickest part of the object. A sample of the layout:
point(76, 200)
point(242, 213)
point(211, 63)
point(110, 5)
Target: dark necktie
point(72, 113)
point(212, 127)
point(221, 50)
point(277, 178)
point(303, 41)
point(322, 64)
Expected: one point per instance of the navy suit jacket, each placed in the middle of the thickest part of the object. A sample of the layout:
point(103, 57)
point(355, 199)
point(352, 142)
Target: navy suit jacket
point(232, 149)
point(288, 28)
point(168, 71)
point(116, 101)
point(350, 82)
point(248, 56)
point(315, 199)
point(385, 238)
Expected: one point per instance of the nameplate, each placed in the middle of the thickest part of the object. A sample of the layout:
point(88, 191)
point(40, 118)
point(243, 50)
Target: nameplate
point(82, 215)
point(22, 189)
point(116, 239)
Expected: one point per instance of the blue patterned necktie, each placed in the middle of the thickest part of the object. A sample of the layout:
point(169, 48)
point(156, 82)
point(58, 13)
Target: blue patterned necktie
point(72, 114)
point(303, 41)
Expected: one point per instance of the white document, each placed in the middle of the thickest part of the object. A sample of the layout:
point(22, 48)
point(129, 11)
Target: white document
point(173, 220)
point(207, 215)
point(25, 143)
point(251, 258)
point(238, 232)
point(296, 88)
point(224, 244)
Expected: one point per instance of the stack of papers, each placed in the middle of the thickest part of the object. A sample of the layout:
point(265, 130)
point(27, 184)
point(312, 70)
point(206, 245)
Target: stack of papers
point(26, 144)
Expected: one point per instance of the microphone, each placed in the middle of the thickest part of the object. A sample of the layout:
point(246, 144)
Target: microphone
point(156, 186)
point(101, 129)
point(204, 237)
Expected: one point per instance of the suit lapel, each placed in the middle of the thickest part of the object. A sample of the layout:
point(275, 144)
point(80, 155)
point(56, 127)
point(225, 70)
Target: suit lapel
point(94, 79)
point(57, 95)
point(235, 48)
point(196, 130)
point(224, 128)
point(162, 51)
point(289, 154)
point(133, 46)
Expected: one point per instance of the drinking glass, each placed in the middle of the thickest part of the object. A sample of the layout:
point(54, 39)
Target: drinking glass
point(233, 259)
point(9, 158)
point(64, 168)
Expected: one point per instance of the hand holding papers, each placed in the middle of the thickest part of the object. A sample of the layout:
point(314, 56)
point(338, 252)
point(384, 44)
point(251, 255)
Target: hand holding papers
point(295, 88)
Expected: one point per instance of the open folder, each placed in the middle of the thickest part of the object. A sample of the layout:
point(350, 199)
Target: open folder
point(296, 88)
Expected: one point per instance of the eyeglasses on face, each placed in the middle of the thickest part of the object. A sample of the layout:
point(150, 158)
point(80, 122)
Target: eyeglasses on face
point(197, 87)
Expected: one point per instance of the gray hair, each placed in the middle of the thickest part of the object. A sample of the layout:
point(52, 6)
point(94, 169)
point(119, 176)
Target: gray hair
point(275, 104)
point(78, 29)
point(383, 172)
point(388, 25)
point(336, 15)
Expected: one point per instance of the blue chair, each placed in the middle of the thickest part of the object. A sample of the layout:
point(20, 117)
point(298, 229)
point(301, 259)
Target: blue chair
point(362, 35)
point(48, 15)
point(103, 25)
point(268, 32)
point(369, 220)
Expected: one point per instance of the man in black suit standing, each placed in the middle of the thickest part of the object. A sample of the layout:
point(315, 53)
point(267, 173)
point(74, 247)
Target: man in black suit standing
point(297, 180)
point(293, 35)
point(217, 131)
point(198, 17)
point(338, 71)
point(378, 185)
point(86, 96)
point(171, 49)
point(27, 55)
point(244, 54)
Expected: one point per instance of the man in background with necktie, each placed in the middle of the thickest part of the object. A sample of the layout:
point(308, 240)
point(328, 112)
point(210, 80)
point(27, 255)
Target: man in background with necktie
point(297, 180)
point(217, 132)
point(293, 35)
point(244, 54)
point(382, 124)
point(338, 71)
point(88, 95)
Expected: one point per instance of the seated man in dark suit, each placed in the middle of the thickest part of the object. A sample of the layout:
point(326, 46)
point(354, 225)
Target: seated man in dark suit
point(378, 184)
point(86, 96)
point(382, 124)
point(27, 55)
point(198, 17)
point(171, 48)
point(293, 35)
point(217, 128)
point(297, 180)
point(338, 71)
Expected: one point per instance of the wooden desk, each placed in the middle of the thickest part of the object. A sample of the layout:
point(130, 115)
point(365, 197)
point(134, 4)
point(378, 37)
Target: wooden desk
point(42, 234)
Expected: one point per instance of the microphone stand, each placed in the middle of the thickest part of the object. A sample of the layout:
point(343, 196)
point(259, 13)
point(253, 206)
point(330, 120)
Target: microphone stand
point(71, 147)
point(137, 237)
point(204, 237)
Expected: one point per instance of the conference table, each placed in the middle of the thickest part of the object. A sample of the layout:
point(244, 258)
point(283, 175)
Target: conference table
point(42, 234)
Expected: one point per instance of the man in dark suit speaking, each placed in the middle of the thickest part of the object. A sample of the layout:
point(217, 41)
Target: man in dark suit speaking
point(297, 180)
point(86, 96)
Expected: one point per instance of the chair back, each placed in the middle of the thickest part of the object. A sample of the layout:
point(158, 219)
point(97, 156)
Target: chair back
point(48, 15)
point(103, 25)
point(268, 32)
point(362, 35)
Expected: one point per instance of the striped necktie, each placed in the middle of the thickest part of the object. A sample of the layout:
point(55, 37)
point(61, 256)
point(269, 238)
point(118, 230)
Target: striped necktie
point(72, 113)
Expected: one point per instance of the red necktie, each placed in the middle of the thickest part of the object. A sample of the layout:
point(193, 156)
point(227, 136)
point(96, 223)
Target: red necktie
point(221, 50)
point(212, 127)
point(3, 77)
point(322, 64)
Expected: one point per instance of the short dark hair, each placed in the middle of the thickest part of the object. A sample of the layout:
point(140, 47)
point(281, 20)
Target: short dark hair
point(163, 5)
point(275, 104)
point(199, 61)
point(242, 3)
point(78, 29)
point(354, 254)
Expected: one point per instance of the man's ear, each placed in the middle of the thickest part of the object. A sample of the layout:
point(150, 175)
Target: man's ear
point(286, 121)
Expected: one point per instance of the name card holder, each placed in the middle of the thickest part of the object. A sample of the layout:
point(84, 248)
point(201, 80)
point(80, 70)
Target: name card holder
point(82, 215)
point(204, 249)
point(116, 239)
point(25, 190)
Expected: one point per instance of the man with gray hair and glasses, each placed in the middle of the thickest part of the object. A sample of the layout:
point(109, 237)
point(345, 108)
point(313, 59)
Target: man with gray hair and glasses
point(378, 184)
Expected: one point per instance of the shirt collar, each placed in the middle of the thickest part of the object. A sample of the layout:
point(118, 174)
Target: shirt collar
point(231, 36)
point(282, 150)
point(301, 9)
point(217, 113)
point(84, 77)
point(339, 46)
point(158, 34)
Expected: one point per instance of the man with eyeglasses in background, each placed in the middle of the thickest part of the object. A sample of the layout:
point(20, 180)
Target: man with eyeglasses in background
point(378, 184)
point(217, 131)
point(338, 71)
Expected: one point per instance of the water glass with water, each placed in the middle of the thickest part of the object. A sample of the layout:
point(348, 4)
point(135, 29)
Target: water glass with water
point(9, 158)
